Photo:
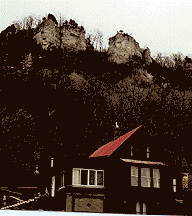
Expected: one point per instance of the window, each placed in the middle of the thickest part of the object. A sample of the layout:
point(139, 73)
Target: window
point(138, 208)
point(174, 185)
point(144, 208)
point(131, 151)
point(148, 152)
point(134, 176)
point(156, 178)
point(53, 186)
point(52, 162)
point(88, 177)
point(100, 178)
point(145, 177)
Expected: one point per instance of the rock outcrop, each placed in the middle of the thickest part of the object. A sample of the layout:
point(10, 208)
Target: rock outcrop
point(73, 38)
point(122, 46)
point(50, 36)
point(47, 34)
point(146, 56)
point(146, 76)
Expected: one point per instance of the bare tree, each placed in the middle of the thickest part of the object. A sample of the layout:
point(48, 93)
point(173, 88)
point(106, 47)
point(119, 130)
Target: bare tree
point(97, 40)
point(100, 38)
point(89, 43)
point(27, 22)
point(178, 59)
point(167, 61)
point(18, 25)
point(37, 21)
point(159, 58)
point(61, 19)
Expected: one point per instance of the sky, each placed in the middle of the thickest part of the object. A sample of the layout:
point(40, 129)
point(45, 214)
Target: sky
point(162, 25)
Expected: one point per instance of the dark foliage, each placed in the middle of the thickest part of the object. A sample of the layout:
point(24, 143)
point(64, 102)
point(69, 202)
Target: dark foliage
point(52, 17)
point(72, 23)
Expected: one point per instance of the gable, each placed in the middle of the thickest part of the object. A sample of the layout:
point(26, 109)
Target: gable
point(138, 144)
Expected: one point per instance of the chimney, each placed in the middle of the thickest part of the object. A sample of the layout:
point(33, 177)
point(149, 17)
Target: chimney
point(116, 131)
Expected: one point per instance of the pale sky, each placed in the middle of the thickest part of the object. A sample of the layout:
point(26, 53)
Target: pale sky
point(163, 26)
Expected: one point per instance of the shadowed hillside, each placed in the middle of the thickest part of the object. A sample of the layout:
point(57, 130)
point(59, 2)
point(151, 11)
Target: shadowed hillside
point(85, 94)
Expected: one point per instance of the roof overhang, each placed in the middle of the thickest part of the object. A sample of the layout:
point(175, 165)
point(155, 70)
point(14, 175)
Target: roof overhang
point(143, 162)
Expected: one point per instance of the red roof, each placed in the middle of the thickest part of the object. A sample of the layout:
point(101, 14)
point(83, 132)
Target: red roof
point(109, 148)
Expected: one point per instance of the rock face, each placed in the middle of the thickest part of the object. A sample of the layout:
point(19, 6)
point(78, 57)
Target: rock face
point(47, 35)
point(146, 55)
point(122, 46)
point(50, 36)
point(146, 76)
point(73, 37)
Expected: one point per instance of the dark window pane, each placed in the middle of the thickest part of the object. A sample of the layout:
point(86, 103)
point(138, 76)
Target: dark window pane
point(84, 175)
point(99, 177)
point(92, 177)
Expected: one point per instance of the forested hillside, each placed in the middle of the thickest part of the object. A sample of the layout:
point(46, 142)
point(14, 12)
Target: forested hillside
point(64, 103)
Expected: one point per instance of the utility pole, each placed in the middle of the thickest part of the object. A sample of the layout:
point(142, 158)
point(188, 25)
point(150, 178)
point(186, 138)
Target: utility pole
point(53, 179)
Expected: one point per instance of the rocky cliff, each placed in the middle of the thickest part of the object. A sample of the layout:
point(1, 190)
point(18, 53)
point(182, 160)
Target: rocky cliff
point(49, 35)
point(122, 46)
point(73, 37)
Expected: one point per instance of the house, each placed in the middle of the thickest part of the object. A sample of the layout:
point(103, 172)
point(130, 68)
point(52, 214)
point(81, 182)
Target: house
point(130, 175)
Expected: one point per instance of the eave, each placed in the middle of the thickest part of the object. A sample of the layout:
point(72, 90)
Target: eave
point(143, 162)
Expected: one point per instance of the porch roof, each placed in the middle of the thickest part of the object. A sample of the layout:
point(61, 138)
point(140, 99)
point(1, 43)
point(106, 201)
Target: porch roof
point(144, 162)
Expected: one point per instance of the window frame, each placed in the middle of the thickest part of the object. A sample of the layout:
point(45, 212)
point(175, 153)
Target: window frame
point(149, 178)
point(174, 185)
point(156, 178)
point(138, 208)
point(88, 178)
point(131, 151)
point(144, 208)
point(148, 151)
point(137, 176)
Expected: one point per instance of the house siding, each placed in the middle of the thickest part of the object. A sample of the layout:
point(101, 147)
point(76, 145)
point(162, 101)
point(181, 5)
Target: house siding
point(88, 205)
